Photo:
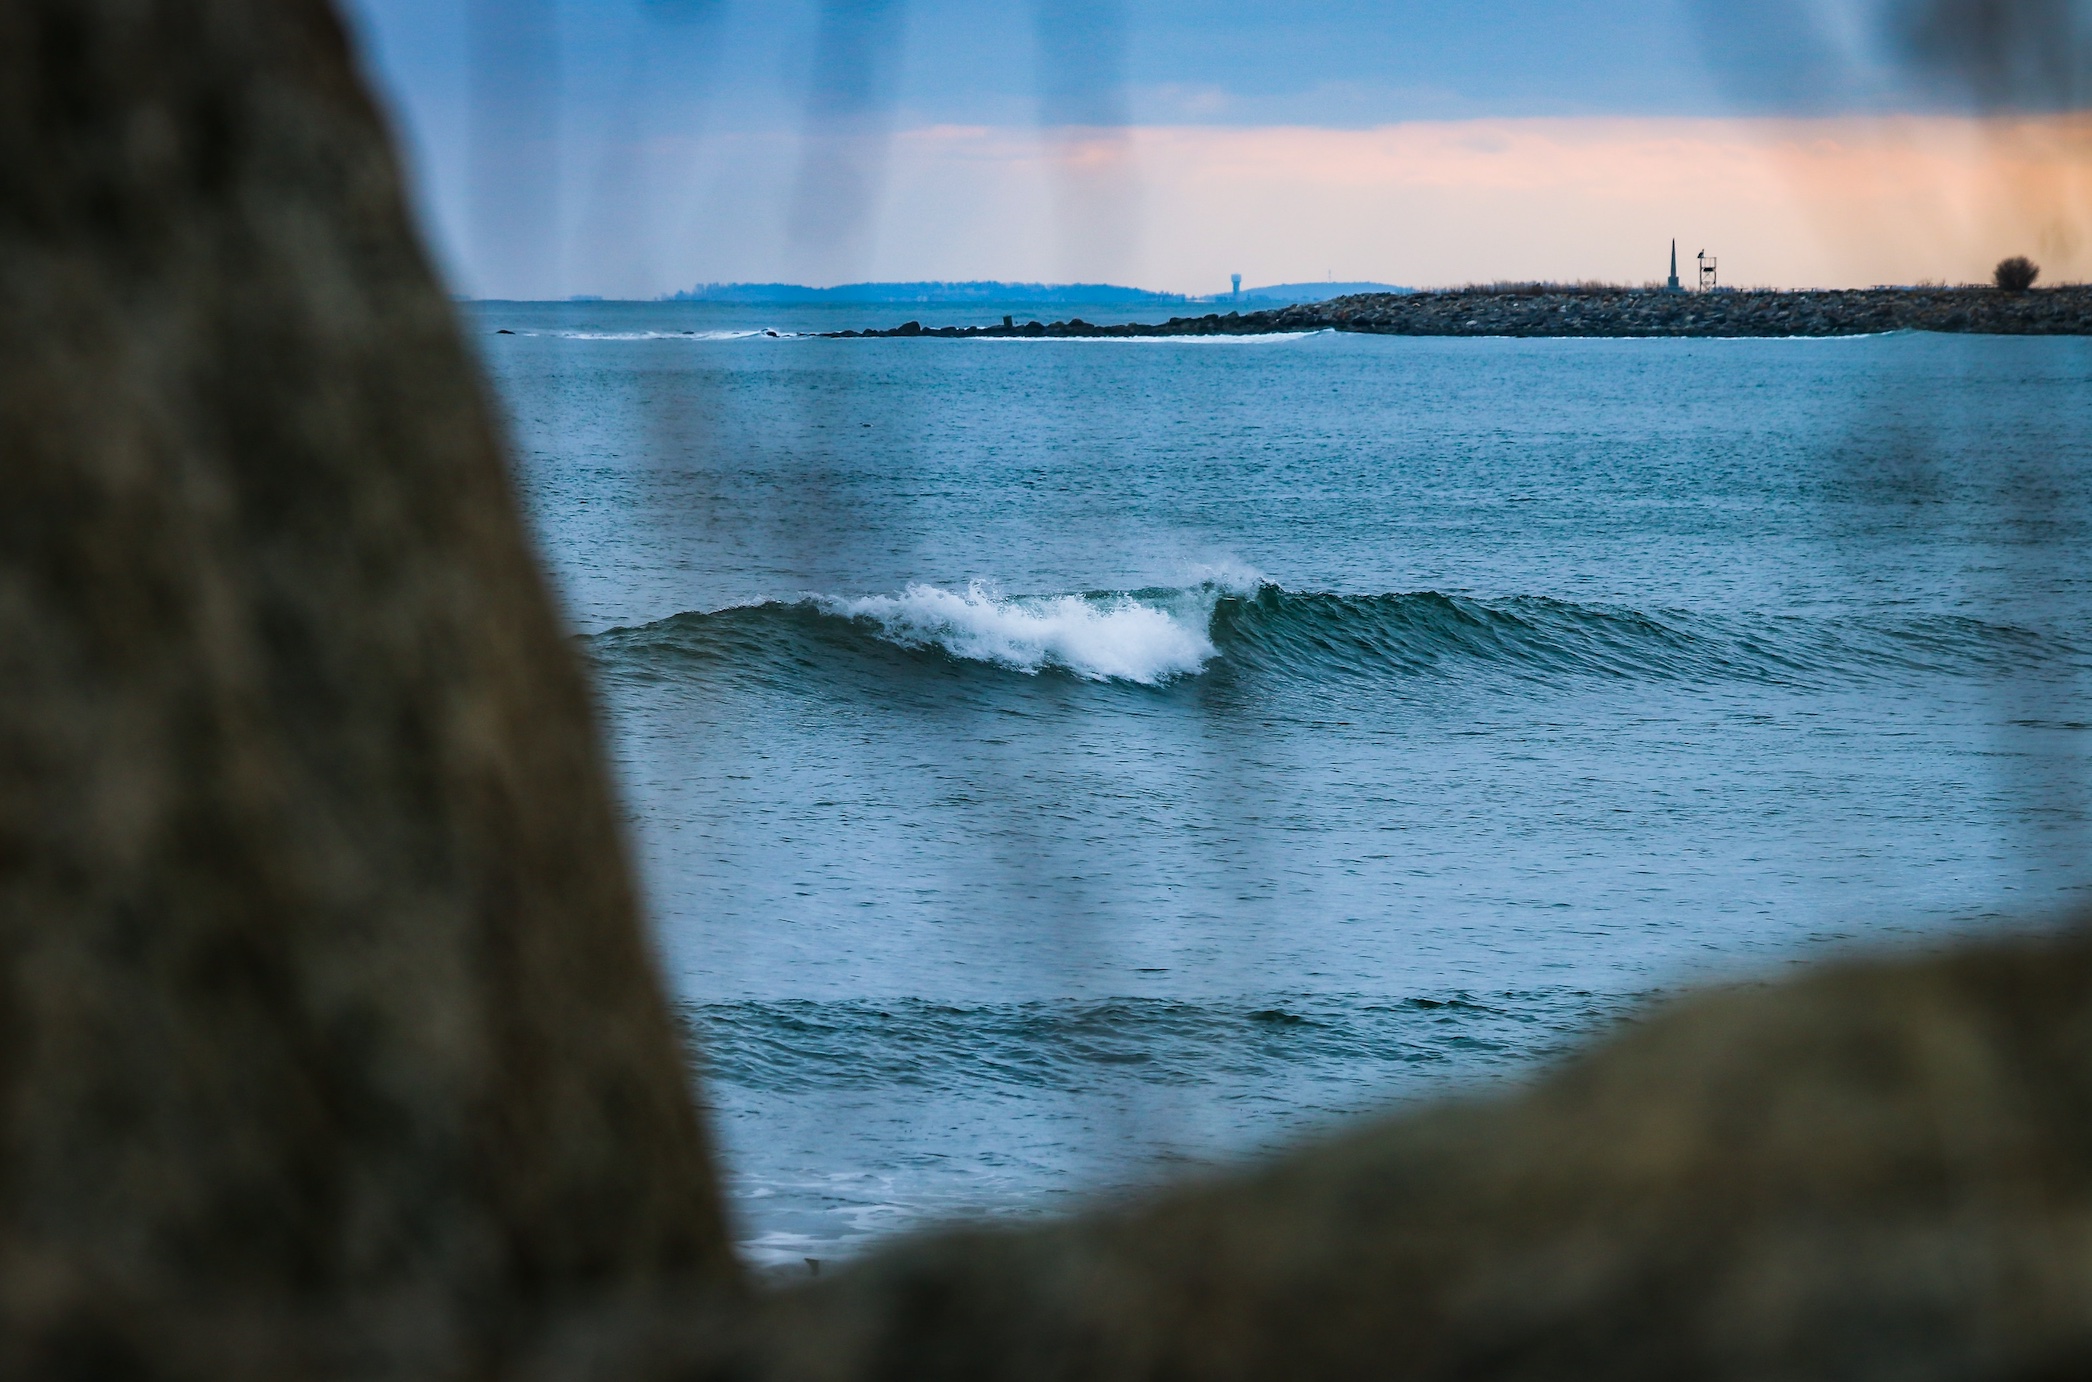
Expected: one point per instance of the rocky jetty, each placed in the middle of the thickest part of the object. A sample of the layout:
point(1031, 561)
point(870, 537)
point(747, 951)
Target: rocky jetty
point(1543, 310)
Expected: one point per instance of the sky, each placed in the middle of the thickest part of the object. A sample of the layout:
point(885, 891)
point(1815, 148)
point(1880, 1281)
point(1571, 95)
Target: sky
point(629, 148)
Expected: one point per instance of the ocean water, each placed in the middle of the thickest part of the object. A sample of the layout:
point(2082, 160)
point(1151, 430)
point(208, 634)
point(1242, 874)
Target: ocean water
point(1058, 764)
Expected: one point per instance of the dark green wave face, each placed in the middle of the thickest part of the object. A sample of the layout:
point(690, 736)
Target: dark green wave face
point(1054, 762)
point(1272, 636)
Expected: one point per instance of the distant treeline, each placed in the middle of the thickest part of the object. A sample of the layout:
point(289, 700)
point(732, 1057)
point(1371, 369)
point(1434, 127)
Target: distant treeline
point(924, 292)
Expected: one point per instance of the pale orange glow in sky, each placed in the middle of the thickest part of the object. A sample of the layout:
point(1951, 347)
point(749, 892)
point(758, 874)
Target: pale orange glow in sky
point(1779, 202)
point(632, 149)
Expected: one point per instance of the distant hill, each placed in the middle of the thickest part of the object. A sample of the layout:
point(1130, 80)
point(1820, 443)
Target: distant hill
point(1044, 294)
point(899, 293)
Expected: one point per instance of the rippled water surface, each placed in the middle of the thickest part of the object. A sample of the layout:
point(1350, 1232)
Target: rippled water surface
point(1054, 763)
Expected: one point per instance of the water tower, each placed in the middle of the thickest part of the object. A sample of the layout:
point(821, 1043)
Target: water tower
point(1236, 290)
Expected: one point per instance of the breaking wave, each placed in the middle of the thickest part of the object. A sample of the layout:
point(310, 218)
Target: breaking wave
point(1156, 636)
point(1095, 637)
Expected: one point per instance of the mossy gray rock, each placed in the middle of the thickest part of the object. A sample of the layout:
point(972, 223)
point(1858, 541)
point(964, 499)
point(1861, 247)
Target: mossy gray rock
point(330, 1043)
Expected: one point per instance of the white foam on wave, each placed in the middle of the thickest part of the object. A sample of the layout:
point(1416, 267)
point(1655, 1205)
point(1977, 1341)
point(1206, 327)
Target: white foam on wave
point(1099, 638)
point(1228, 575)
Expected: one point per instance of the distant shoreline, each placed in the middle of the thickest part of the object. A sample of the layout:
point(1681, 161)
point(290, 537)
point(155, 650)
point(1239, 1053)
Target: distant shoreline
point(1619, 312)
point(938, 293)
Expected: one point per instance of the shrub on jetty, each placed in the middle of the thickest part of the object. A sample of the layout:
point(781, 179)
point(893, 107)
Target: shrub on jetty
point(2015, 275)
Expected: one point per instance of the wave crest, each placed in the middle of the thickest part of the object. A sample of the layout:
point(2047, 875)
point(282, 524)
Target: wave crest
point(1237, 624)
point(1097, 638)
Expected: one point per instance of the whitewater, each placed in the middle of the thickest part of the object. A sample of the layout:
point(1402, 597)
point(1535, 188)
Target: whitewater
point(1049, 768)
point(1098, 638)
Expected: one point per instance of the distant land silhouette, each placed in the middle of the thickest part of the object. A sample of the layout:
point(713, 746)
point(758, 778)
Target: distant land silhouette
point(1043, 293)
point(1306, 292)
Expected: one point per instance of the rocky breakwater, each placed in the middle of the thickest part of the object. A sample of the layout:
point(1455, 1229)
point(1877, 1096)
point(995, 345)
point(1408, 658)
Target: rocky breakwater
point(1548, 311)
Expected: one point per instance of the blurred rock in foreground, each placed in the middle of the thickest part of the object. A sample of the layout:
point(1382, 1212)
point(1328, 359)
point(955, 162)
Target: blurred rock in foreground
point(329, 1040)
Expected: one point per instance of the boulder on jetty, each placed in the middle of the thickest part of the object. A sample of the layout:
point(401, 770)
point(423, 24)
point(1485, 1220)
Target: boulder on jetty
point(1541, 310)
point(330, 1042)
